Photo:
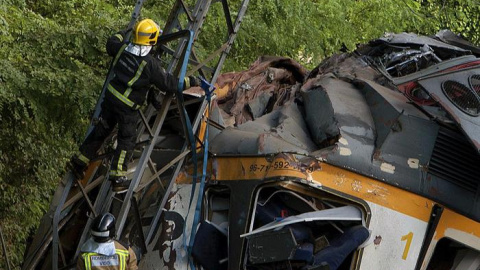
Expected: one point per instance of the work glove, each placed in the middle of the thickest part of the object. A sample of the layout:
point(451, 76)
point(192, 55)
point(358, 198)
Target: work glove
point(194, 81)
point(152, 99)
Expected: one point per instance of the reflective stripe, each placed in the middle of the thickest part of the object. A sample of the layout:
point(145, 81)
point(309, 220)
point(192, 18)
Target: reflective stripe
point(85, 259)
point(118, 173)
point(123, 255)
point(120, 37)
point(100, 234)
point(122, 258)
point(125, 100)
point(83, 158)
point(137, 75)
point(134, 79)
point(120, 161)
point(88, 260)
point(127, 93)
point(144, 34)
point(119, 53)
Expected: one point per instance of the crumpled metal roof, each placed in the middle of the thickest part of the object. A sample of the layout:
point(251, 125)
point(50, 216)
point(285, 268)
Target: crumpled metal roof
point(349, 113)
point(410, 38)
point(258, 107)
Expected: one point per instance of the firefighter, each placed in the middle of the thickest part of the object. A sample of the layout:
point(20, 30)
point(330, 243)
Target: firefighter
point(135, 70)
point(102, 252)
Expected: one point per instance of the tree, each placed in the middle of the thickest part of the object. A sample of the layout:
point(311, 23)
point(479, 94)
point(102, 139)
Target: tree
point(48, 84)
point(461, 16)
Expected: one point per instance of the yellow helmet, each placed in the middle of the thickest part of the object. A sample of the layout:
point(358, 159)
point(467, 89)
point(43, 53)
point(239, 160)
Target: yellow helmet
point(146, 32)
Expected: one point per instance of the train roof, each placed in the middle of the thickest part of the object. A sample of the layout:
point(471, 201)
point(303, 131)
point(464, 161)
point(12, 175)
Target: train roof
point(404, 109)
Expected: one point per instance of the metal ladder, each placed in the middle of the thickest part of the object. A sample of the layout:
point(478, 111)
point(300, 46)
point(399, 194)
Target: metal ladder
point(125, 205)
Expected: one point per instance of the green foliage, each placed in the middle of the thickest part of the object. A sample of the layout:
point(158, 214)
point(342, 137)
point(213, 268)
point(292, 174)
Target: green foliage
point(53, 65)
point(309, 31)
point(461, 16)
point(52, 72)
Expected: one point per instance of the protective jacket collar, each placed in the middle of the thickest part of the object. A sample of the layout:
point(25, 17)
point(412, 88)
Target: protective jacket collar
point(138, 50)
point(107, 248)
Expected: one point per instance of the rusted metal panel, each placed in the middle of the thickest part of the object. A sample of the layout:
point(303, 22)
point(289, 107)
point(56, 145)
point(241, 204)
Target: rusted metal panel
point(265, 86)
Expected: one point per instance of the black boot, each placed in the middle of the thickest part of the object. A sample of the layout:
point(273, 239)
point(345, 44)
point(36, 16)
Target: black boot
point(78, 167)
point(120, 184)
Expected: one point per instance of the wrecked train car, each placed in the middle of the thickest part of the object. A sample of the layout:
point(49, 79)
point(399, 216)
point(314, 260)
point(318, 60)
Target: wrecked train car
point(369, 161)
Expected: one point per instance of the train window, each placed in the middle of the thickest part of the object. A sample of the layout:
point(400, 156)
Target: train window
point(451, 255)
point(462, 97)
point(210, 248)
point(218, 203)
point(418, 93)
point(295, 230)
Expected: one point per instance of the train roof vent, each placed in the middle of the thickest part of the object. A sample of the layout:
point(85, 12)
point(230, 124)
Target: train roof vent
point(462, 96)
point(455, 160)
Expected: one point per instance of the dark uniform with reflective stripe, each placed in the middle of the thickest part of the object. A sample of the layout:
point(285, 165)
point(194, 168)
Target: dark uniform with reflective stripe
point(126, 92)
